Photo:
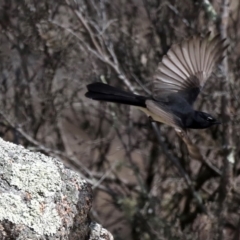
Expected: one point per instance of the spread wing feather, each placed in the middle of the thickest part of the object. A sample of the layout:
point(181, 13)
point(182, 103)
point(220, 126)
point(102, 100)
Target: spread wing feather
point(187, 66)
point(158, 113)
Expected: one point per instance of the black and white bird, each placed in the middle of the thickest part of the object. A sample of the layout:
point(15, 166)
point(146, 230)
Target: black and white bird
point(179, 78)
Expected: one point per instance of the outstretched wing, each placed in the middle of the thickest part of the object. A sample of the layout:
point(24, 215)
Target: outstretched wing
point(187, 66)
point(157, 111)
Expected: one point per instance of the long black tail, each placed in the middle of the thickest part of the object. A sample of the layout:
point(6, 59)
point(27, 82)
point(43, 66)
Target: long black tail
point(104, 92)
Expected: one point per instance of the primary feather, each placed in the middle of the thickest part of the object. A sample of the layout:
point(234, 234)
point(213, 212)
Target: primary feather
point(187, 66)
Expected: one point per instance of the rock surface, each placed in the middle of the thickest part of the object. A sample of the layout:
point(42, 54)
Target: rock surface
point(41, 199)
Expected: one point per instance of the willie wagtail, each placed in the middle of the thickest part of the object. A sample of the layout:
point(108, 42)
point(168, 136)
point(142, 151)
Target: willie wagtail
point(178, 80)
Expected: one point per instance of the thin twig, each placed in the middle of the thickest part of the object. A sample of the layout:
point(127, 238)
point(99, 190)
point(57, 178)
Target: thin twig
point(176, 162)
point(226, 180)
point(194, 151)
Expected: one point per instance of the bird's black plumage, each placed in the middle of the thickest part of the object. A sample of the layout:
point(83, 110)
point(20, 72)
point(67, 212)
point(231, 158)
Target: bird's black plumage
point(104, 92)
point(178, 80)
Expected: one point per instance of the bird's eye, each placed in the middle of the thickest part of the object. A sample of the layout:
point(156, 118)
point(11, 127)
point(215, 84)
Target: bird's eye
point(209, 119)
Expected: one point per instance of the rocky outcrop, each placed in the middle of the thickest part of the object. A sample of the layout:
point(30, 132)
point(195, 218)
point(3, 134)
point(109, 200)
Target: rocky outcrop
point(42, 199)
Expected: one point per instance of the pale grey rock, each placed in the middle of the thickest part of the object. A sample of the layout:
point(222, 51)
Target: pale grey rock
point(42, 199)
point(98, 232)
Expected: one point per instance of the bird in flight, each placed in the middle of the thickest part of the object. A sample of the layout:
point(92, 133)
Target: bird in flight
point(179, 79)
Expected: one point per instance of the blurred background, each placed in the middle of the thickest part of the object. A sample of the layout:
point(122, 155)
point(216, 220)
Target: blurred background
point(50, 50)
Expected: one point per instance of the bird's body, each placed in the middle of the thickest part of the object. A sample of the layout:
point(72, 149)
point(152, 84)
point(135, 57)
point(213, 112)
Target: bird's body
point(177, 82)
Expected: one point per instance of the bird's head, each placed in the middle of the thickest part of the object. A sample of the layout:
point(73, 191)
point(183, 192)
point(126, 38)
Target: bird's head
point(205, 120)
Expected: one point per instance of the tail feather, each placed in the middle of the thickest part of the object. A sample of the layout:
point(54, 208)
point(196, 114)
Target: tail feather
point(103, 92)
